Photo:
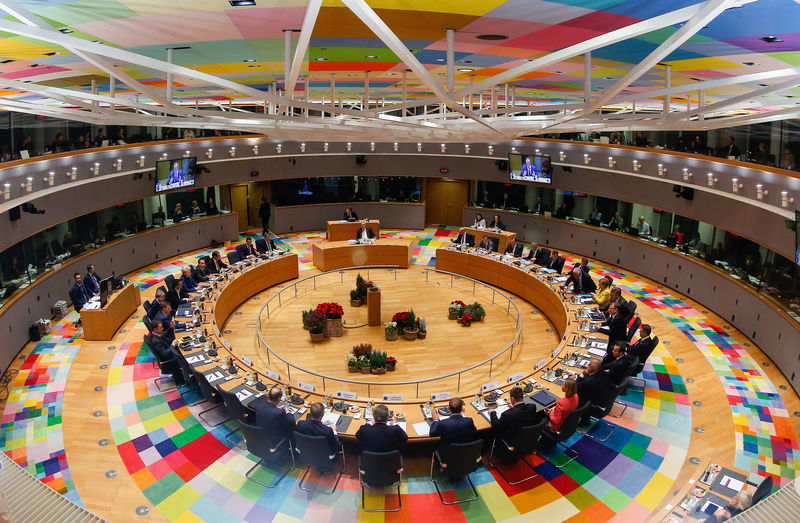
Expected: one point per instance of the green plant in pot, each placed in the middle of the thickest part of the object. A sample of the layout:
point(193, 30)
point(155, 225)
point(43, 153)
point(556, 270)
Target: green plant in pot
point(411, 330)
point(378, 361)
point(306, 322)
point(423, 328)
point(364, 364)
point(355, 298)
point(352, 362)
point(316, 327)
point(477, 311)
point(390, 330)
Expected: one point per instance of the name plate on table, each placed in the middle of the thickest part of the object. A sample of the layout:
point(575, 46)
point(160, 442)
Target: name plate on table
point(272, 375)
point(308, 387)
point(247, 361)
point(489, 386)
point(555, 352)
point(345, 395)
point(439, 396)
point(227, 344)
point(393, 397)
point(539, 364)
point(515, 377)
point(216, 330)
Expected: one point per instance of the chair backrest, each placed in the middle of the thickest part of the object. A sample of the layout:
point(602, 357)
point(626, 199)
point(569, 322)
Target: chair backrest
point(570, 424)
point(147, 323)
point(233, 257)
point(525, 439)
point(183, 365)
point(208, 261)
point(312, 450)
point(463, 458)
point(763, 490)
point(619, 389)
point(632, 366)
point(630, 309)
point(169, 281)
point(146, 305)
point(232, 404)
point(380, 469)
point(633, 328)
point(495, 243)
point(256, 439)
point(205, 387)
point(643, 356)
point(261, 245)
point(242, 250)
point(163, 289)
point(56, 246)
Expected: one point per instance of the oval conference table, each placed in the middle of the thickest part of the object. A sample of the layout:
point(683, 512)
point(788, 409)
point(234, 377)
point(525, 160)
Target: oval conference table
point(235, 288)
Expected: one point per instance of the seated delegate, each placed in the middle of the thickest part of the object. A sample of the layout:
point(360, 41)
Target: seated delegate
point(555, 262)
point(162, 346)
point(217, 265)
point(314, 427)
point(277, 423)
point(189, 283)
point(581, 282)
point(616, 364)
point(455, 429)
point(177, 295)
point(514, 248)
point(603, 295)
point(563, 407)
point(464, 239)
point(616, 326)
point(520, 415)
point(365, 233)
point(486, 244)
point(350, 215)
point(378, 436)
point(496, 223)
point(594, 386)
point(201, 272)
point(480, 223)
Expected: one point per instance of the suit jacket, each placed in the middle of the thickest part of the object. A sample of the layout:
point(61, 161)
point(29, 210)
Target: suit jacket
point(381, 437)
point(155, 308)
point(488, 246)
point(617, 329)
point(563, 408)
point(278, 423)
point(91, 282)
point(217, 265)
point(455, 429)
point(78, 296)
point(617, 370)
point(499, 225)
point(169, 332)
point(595, 388)
point(160, 346)
point(189, 285)
point(541, 256)
point(515, 250)
point(540, 208)
point(201, 275)
point(174, 298)
point(353, 216)
point(469, 239)
point(642, 348)
point(586, 284)
point(246, 250)
point(509, 423)
point(557, 264)
point(317, 428)
point(370, 233)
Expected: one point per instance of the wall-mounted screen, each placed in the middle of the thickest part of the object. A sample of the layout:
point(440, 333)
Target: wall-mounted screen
point(530, 168)
point(175, 173)
point(797, 237)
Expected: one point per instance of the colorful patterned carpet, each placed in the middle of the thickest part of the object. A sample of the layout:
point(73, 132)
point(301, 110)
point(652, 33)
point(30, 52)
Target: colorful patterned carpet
point(190, 473)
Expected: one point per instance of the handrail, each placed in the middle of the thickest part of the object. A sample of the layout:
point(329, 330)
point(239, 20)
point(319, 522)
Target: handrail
point(369, 384)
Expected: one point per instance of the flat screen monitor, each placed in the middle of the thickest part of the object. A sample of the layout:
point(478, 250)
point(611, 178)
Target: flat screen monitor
point(175, 173)
point(105, 285)
point(797, 237)
point(103, 296)
point(530, 167)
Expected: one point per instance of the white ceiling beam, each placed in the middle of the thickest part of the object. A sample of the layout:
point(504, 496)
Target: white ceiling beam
point(309, 20)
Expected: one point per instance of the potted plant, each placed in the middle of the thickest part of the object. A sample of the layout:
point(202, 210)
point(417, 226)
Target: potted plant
point(355, 298)
point(352, 363)
point(423, 328)
point(477, 311)
point(456, 309)
point(401, 319)
point(316, 327)
point(332, 312)
point(306, 324)
point(362, 349)
point(390, 330)
point(465, 319)
point(391, 363)
point(364, 364)
point(411, 330)
point(378, 361)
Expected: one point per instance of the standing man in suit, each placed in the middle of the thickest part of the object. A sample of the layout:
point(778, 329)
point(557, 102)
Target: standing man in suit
point(555, 262)
point(455, 429)
point(514, 248)
point(364, 232)
point(315, 427)
point(350, 215)
point(217, 265)
point(519, 415)
point(644, 346)
point(615, 326)
point(464, 239)
point(91, 282)
point(377, 436)
point(78, 293)
point(581, 282)
point(264, 212)
point(277, 423)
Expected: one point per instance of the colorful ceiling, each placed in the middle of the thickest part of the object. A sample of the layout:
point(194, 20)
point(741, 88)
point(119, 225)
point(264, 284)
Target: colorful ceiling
point(246, 47)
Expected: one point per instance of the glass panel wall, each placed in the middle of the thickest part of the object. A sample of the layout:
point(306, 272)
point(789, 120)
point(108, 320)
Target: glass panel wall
point(345, 189)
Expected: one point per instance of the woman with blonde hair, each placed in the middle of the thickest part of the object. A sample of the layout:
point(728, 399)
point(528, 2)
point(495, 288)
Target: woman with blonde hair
point(565, 405)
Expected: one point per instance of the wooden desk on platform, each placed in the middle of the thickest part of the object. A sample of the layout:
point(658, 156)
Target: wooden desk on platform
point(102, 324)
point(339, 230)
point(503, 237)
point(336, 255)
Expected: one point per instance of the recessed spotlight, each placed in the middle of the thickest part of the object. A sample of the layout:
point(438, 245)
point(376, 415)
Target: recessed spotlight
point(492, 37)
point(352, 75)
point(249, 60)
point(771, 39)
point(466, 61)
point(749, 64)
point(440, 60)
point(254, 65)
point(320, 59)
point(371, 56)
point(391, 74)
point(465, 69)
point(65, 30)
point(559, 72)
point(33, 65)
point(608, 78)
point(96, 42)
point(53, 53)
point(529, 59)
point(763, 85)
point(241, 3)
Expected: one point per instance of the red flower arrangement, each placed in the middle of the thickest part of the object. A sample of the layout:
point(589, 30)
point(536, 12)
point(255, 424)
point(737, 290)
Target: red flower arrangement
point(330, 310)
point(465, 319)
point(401, 318)
point(391, 359)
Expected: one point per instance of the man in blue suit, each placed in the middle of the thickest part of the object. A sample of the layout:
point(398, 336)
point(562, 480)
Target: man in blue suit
point(315, 427)
point(91, 282)
point(380, 437)
point(277, 423)
point(78, 293)
point(455, 429)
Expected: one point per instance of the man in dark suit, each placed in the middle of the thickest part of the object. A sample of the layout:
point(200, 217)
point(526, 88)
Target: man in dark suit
point(542, 256)
point(78, 293)
point(464, 239)
point(520, 415)
point(248, 249)
point(315, 427)
point(594, 386)
point(455, 429)
point(380, 437)
point(155, 305)
point(201, 273)
point(555, 262)
point(514, 248)
point(365, 233)
point(91, 282)
point(644, 346)
point(278, 423)
point(217, 265)
point(177, 295)
point(615, 326)
point(350, 215)
point(583, 265)
point(486, 244)
point(581, 282)
point(540, 207)
point(619, 363)
point(165, 316)
point(162, 347)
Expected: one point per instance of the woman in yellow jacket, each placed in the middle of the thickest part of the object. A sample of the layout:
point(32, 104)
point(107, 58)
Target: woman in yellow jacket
point(603, 294)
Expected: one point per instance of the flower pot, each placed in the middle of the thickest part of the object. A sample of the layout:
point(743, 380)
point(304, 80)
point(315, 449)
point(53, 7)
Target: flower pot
point(391, 336)
point(466, 324)
point(379, 370)
point(411, 333)
point(364, 300)
point(390, 365)
point(453, 315)
point(422, 335)
point(355, 303)
point(477, 318)
point(352, 368)
point(364, 370)
point(316, 337)
point(333, 328)
point(305, 327)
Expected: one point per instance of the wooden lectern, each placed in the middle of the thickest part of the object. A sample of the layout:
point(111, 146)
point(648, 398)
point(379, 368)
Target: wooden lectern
point(373, 307)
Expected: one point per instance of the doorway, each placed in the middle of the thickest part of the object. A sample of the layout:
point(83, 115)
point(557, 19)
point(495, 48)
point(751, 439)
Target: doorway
point(445, 201)
point(239, 205)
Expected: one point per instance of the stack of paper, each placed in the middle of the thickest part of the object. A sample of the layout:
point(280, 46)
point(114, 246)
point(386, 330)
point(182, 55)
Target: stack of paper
point(421, 428)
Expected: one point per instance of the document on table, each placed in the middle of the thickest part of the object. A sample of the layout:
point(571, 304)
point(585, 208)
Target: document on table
point(214, 376)
point(243, 394)
point(422, 428)
point(329, 418)
point(499, 410)
point(196, 359)
point(732, 483)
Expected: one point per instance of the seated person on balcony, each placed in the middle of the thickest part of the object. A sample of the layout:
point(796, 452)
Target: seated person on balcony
point(455, 429)
point(365, 232)
point(643, 226)
point(540, 207)
point(378, 436)
point(675, 238)
point(350, 215)
point(464, 239)
point(616, 222)
point(562, 212)
point(496, 223)
point(596, 217)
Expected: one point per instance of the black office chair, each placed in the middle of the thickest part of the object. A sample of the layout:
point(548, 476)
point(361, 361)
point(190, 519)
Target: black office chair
point(157, 362)
point(523, 444)
point(189, 375)
point(495, 243)
point(146, 305)
point(57, 248)
point(233, 257)
point(261, 245)
point(259, 444)
point(313, 451)
point(630, 310)
point(460, 460)
point(380, 469)
point(633, 328)
point(600, 411)
point(147, 323)
point(235, 409)
point(763, 490)
point(169, 281)
point(633, 379)
point(163, 289)
point(566, 431)
point(210, 395)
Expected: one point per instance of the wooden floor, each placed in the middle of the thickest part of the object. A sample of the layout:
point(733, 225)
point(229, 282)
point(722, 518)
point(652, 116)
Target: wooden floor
point(116, 499)
point(447, 348)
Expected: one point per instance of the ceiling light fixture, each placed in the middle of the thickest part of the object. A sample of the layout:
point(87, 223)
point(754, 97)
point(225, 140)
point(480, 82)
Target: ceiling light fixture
point(492, 37)
point(320, 59)
point(771, 39)
point(65, 30)
point(749, 64)
point(465, 70)
point(241, 3)
point(371, 56)
point(249, 60)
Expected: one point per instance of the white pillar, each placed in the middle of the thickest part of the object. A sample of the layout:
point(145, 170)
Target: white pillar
point(667, 85)
point(587, 77)
point(112, 90)
point(405, 94)
point(451, 60)
point(287, 60)
point(701, 103)
point(170, 57)
point(366, 90)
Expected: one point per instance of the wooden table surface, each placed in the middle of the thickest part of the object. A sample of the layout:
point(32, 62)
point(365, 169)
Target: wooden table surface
point(328, 256)
point(340, 230)
point(102, 324)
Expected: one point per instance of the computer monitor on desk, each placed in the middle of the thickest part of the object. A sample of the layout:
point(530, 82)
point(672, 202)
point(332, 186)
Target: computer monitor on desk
point(103, 295)
point(106, 286)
